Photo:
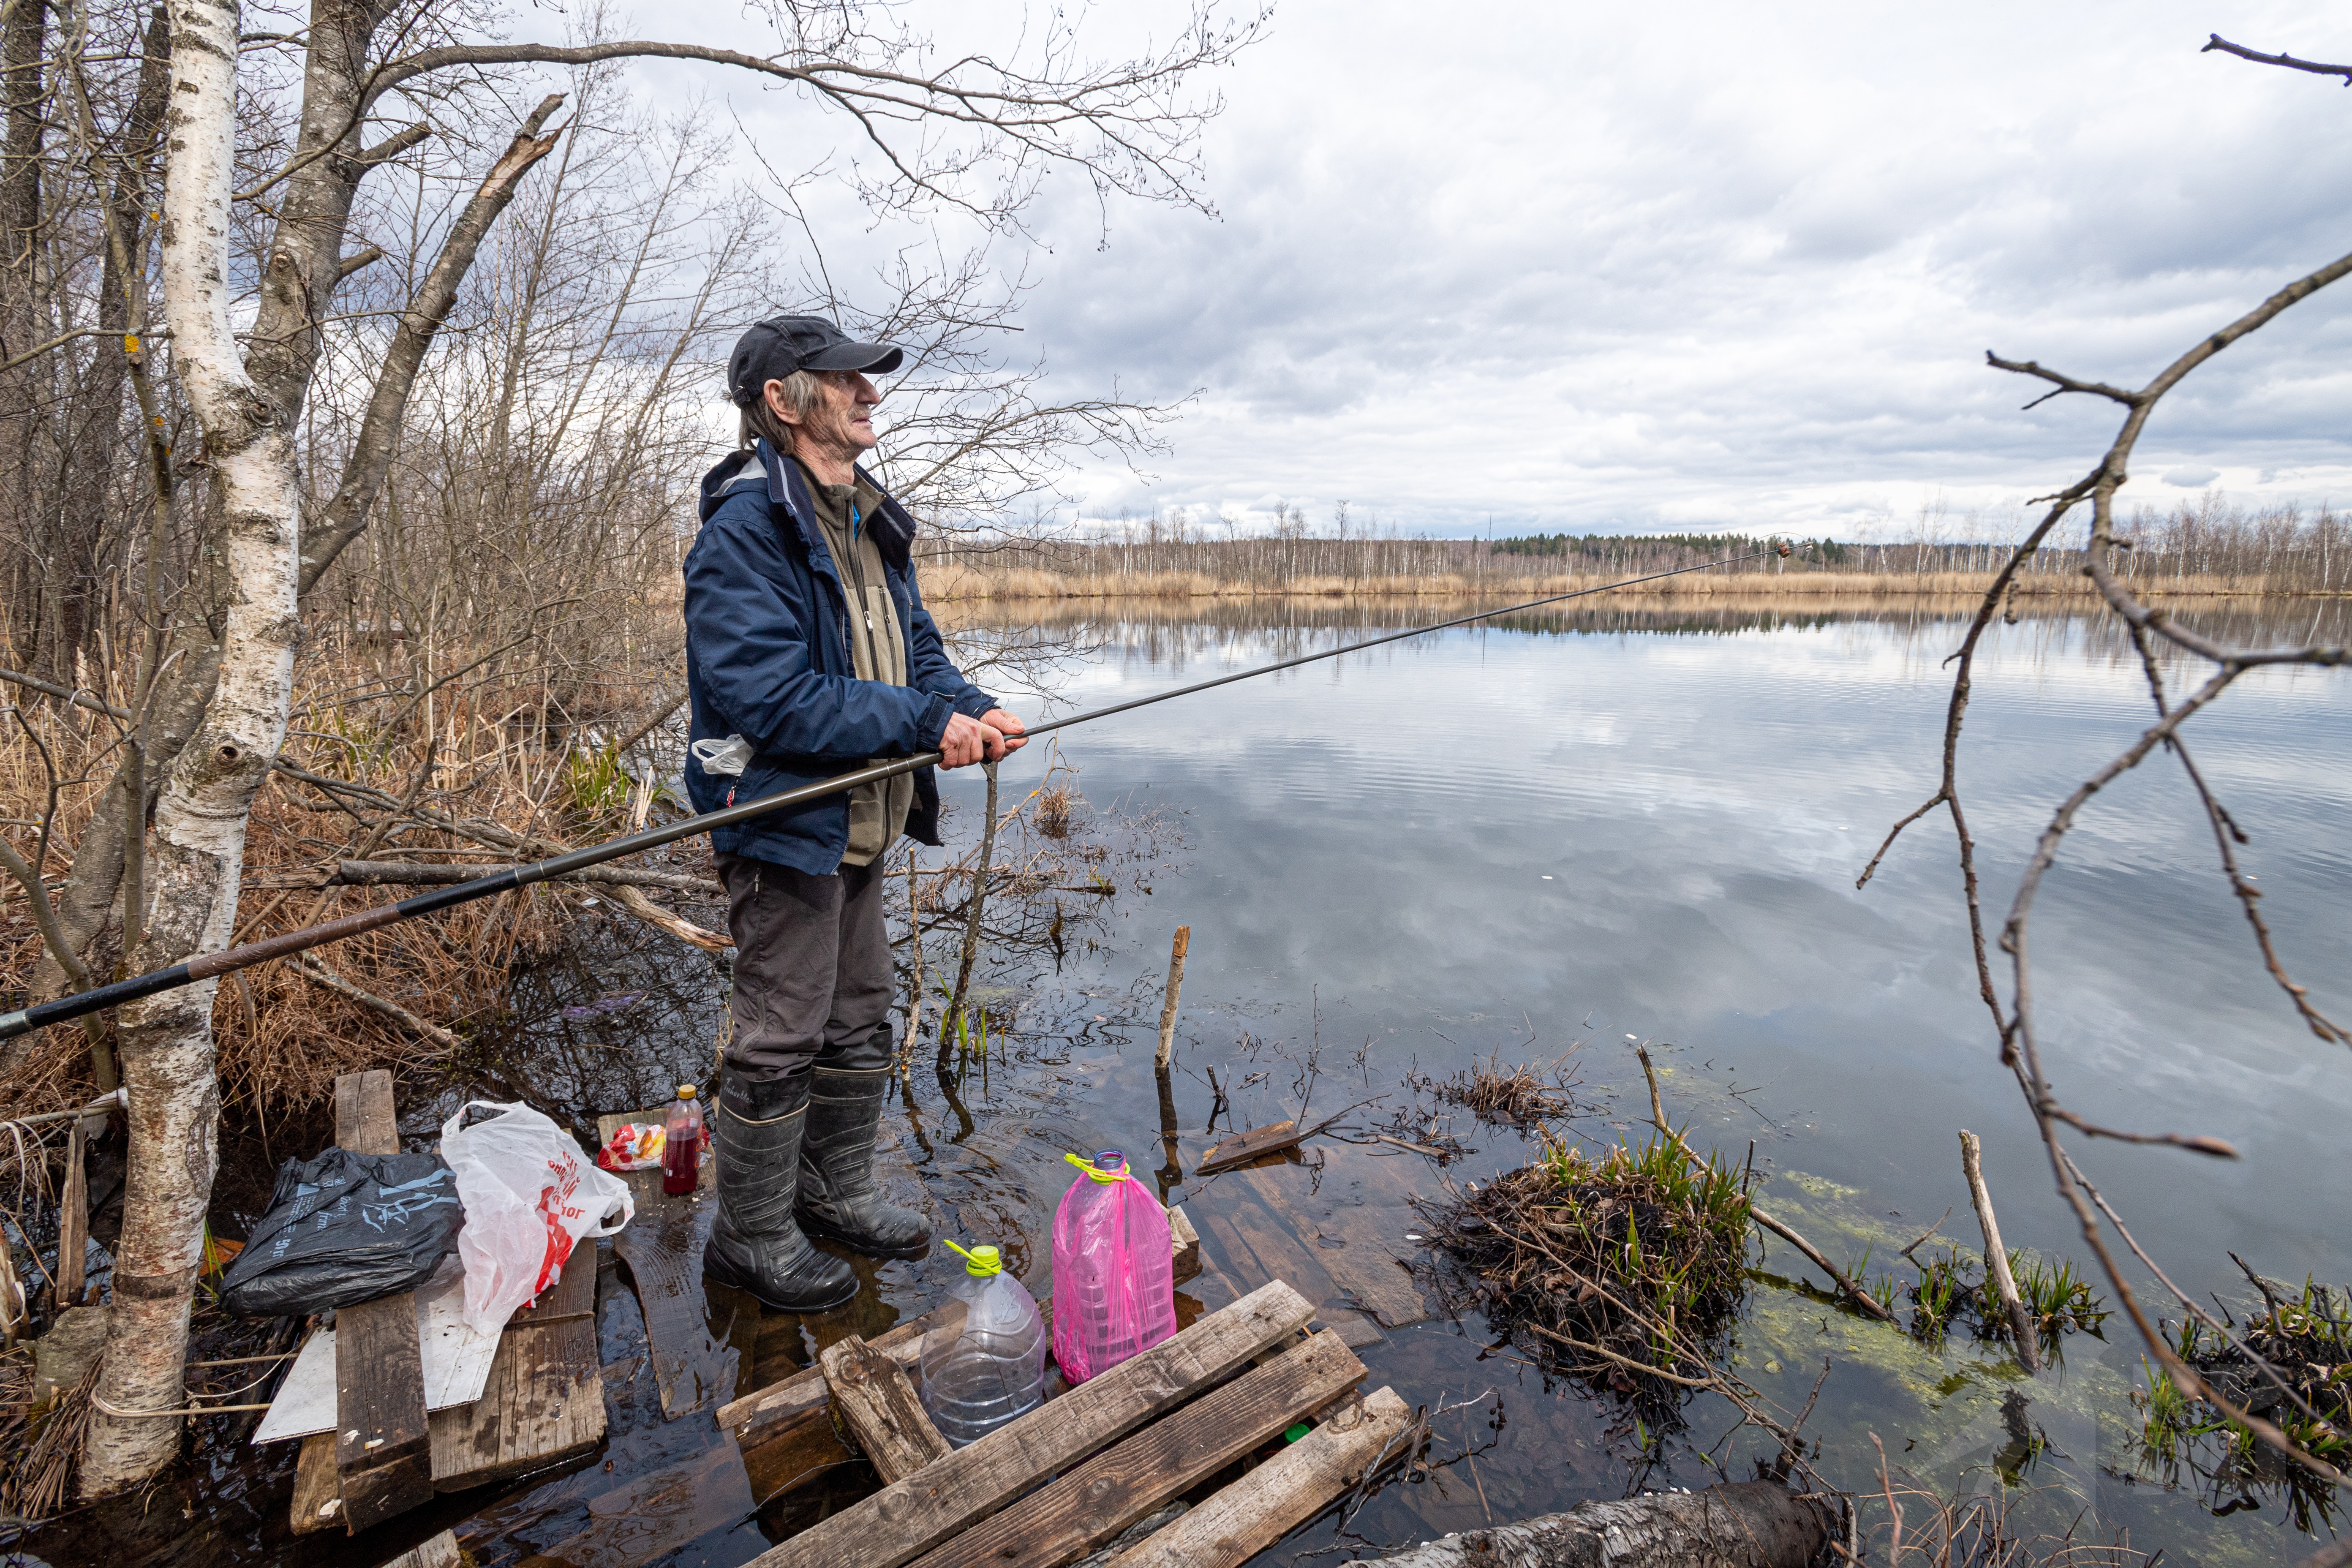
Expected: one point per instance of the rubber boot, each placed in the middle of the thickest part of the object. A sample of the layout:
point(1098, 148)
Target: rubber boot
point(837, 1195)
point(756, 1132)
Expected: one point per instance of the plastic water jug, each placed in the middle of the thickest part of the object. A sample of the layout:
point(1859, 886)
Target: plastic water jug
point(986, 1364)
point(1113, 1278)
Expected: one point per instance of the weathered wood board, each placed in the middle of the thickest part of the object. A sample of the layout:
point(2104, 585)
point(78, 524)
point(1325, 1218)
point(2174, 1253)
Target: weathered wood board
point(317, 1498)
point(441, 1551)
point(543, 1398)
point(909, 1517)
point(1245, 1517)
point(1242, 1147)
point(878, 1405)
point(1368, 1264)
point(1096, 1500)
point(1186, 1243)
point(382, 1441)
point(766, 1414)
point(663, 1250)
point(456, 1360)
point(650, 1516)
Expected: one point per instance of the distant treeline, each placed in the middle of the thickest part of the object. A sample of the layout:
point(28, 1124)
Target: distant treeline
point(1698, 546)
point(2206, 545)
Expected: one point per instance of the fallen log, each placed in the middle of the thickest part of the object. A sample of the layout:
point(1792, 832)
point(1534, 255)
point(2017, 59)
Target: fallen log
point(1746, 1524)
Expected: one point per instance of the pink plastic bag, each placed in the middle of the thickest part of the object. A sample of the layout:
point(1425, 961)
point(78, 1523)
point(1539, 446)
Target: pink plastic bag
point(1114, 1281)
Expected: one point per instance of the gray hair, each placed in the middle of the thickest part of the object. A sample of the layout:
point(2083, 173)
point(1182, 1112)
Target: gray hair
point(758, 420)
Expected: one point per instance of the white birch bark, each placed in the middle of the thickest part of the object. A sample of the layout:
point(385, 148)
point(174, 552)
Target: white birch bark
point(198, 847)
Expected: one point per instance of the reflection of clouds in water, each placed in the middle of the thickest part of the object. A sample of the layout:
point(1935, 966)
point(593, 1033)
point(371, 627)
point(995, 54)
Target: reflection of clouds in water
point(1380, 839)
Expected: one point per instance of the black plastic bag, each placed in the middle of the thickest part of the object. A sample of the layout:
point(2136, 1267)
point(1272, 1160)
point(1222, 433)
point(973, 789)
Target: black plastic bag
point(345, 1228)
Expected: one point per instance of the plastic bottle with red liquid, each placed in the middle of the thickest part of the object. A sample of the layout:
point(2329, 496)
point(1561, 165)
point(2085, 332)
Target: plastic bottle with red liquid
point(682, 1144)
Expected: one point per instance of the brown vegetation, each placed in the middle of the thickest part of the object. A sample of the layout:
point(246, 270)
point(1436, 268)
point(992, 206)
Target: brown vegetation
point(2210, 547)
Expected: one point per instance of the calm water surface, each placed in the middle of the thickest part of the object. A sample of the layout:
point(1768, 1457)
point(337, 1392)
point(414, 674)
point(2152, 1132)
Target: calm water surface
point(1578, 830)
point(1532, 842)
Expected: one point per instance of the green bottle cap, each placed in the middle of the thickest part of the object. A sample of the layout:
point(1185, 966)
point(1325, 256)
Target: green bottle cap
point(1297, 1431)
point(980, 1262)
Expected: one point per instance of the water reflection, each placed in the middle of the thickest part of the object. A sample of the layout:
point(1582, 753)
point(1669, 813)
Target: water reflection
point(1550, 834)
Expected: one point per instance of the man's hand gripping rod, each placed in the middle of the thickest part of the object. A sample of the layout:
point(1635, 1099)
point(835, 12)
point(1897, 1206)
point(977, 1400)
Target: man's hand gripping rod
point(210, 965)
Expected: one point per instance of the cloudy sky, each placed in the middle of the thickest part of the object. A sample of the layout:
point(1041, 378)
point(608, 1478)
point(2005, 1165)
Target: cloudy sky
point(1715, 264)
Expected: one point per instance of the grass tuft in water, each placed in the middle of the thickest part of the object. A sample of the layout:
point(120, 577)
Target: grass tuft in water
point(1950, 1290)
point(1618, 1264)
point(2306, 1337)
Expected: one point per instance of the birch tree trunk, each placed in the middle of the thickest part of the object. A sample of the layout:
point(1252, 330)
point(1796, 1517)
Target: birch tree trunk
point(200, 816)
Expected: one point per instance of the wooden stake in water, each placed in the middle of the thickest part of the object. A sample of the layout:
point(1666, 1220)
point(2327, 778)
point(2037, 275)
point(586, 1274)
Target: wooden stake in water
point(2021, 1325)
point(1175, 984)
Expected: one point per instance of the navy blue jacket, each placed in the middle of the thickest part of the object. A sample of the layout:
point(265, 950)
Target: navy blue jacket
point(767, 658)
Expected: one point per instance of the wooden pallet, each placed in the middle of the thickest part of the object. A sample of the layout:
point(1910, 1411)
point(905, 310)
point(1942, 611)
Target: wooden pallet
point(787, 1429)
point(1049, 1487)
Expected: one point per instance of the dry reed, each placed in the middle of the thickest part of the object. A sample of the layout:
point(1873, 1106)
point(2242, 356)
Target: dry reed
point(956, 581)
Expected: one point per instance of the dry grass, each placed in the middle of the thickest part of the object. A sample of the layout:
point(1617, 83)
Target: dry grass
point(959, 579)
point(450, 773)
point(1627, 1269)
point(1501, 1096)
point(37, 1479)
point(1908, 1524)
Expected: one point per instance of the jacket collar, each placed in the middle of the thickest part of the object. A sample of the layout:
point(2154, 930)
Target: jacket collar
point(893, 528)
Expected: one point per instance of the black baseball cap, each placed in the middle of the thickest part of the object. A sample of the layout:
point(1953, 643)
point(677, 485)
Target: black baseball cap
point(773, 349)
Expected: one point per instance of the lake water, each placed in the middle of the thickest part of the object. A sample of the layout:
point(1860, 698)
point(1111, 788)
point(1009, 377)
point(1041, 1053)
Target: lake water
point(1528, 843)
point(1579, 829)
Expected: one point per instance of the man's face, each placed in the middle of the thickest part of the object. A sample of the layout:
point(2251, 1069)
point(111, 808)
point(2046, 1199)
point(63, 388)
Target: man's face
point(842, 419)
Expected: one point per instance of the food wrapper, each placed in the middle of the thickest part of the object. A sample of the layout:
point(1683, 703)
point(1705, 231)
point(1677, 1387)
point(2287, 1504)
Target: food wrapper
point(636, 1146)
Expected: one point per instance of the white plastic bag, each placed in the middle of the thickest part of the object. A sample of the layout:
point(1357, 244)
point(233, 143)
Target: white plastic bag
point(529, 1196)
point(722, 759)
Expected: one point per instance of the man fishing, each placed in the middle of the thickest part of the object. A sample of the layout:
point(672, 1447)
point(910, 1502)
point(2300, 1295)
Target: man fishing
point(809, 653)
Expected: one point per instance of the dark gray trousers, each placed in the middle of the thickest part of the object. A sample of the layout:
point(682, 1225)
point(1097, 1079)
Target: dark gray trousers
point(812, 974)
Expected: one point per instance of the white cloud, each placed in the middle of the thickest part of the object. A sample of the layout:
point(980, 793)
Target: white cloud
point(1717, 265)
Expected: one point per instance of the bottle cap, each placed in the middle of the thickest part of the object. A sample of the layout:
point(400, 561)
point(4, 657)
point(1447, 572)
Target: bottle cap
point(685, 1091)
point(981, 1262)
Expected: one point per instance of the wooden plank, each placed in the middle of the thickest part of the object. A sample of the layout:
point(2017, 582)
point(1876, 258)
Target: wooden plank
point(441, 1551)
point(382, 1443)
point(1366, 1266)
point(909, 1517)
point(794, 1455)
point(879, 1407)
point(1110, 1492)
point(650, 1516)
point(1244, 1147)
point(317, 1498)
point(1274, 1235)
point(1357, 1330)
point(1186, 1242)
point(768, 1413)
point(457, 1362)
point(1245, 1518)
point(73, 1225)
point(664, 1252)
point(365, 1119)
point(545, 1400)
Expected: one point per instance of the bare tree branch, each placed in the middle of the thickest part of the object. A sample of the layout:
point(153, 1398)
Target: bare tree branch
point(2216, 41)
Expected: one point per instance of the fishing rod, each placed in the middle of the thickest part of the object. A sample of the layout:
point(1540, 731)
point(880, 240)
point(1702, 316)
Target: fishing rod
point(210, 965)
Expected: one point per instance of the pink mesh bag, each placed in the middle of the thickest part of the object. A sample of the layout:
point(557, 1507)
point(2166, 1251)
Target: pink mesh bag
point(1114, 1285)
